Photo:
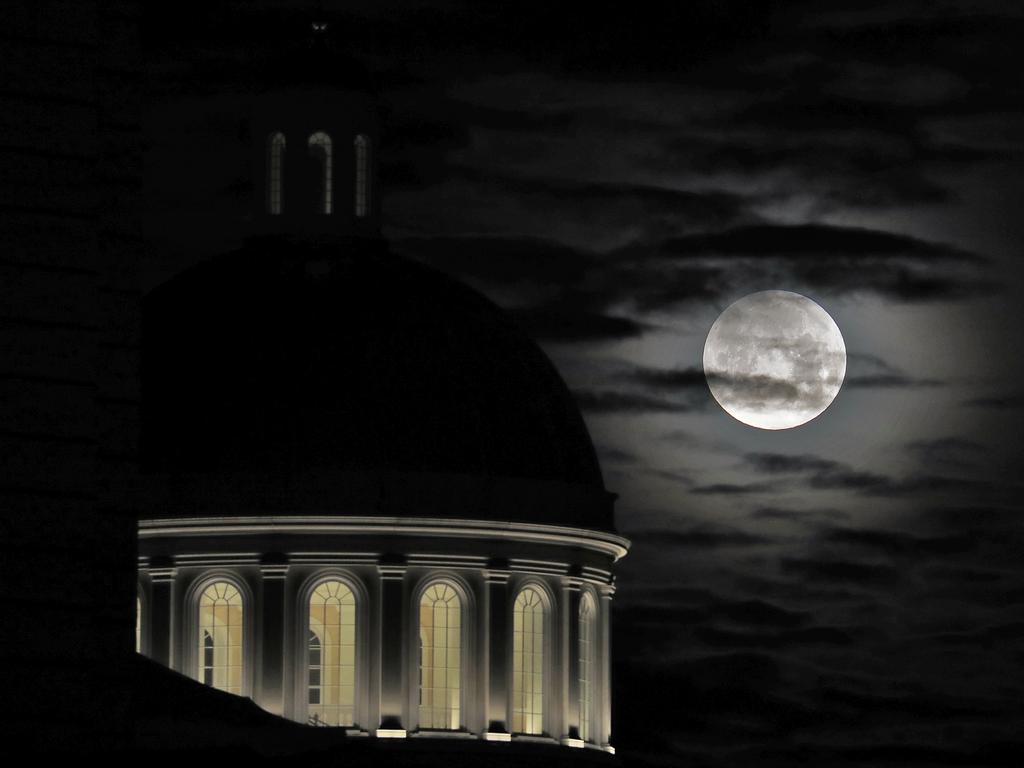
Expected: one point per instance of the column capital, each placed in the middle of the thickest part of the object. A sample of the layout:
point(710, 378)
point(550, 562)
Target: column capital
point(275, 572)
point(496, 577)
point(606, 591)
point(163, 575)
point(391, 572)
point(572, 583)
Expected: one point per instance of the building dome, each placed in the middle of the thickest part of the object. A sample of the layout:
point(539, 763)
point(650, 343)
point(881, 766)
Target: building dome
point(369, 501)
point(329, 375)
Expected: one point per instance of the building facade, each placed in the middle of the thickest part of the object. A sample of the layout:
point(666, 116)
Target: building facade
point(370, 501)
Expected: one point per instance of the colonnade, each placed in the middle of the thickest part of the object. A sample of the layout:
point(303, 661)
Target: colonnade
point(569, 678)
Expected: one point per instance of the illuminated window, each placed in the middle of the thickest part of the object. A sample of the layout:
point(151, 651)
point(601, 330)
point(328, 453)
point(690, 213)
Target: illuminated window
point(138, 624)
point(220, 637)
point(440, 657)
point(332, 654)
point(362, 147)
point(588, 616)
point(275, 173)
point(528, 663)
point(320, 151)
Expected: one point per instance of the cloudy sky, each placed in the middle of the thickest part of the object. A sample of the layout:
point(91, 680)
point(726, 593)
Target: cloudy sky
point(847, 592)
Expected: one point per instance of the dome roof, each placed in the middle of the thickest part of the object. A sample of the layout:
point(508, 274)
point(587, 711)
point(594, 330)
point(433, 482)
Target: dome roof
point(294, 364)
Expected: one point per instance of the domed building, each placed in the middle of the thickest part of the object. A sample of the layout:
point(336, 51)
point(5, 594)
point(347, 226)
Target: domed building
point(371, 501)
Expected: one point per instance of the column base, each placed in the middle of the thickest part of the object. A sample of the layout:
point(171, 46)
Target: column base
point(569, 741)
point(497, 736)
point(391, 733)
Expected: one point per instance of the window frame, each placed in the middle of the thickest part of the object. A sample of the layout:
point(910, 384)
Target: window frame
point(300, 642)
point(325, 206)
point(276, 183)
point(587, 723)
point(467, 652)
point(190, 650)
point(548, 669)
point(362, 146)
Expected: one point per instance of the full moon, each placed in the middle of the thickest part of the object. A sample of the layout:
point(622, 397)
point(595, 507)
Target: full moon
point(774, 360)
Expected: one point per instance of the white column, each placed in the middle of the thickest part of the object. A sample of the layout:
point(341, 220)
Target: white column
point(495, 656)
point(570, 659)
point(270, 658)
point(161, 614)
point(604, 732)
point(391, 634)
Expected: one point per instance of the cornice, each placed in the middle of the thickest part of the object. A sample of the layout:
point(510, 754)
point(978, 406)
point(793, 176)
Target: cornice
point(599, 541)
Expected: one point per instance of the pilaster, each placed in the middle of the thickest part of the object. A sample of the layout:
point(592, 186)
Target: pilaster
point(496, 653)
point(161, 610)
point(391, 634)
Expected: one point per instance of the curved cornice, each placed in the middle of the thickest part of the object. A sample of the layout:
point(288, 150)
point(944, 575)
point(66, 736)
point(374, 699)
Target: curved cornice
point(599, 541)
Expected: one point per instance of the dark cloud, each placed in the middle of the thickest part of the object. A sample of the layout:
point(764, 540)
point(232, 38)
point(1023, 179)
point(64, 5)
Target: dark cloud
point(778, 463)
point(735, 489)
point(947, 452)
point(865, 371)
point(832, 260)
point(764, 640)
point(998, 402)
point(681, 477)
point(557, 322)
point(562, 293)
point(703, 538)
point(670, 379)
point(819, 473)
point(900, 544)
point(624, 402)
point(809, 516)
point(889, 381)
point(616, 455)
point(839, 571)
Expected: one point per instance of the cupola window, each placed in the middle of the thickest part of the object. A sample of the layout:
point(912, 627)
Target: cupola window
point(362, 199)
point(321, 152)
point(275, 173)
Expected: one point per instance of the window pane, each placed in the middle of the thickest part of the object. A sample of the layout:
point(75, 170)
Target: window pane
point(588, 615)
point(528, 663)
point(275, 173)
point(440, 658)
point(320, 150)
point(362, 150)
point(332, 654)
point(220, 633)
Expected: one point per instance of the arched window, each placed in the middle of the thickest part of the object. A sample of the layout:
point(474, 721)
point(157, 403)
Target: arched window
point(332, 654)
point(275, 173)
point(587, 635)
point(220, 637)
point(362, 149)
point(528, 663)
point(320, 150)
point(440, 700)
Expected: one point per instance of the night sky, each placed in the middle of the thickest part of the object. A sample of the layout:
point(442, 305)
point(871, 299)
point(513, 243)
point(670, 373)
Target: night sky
point(848, 592)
